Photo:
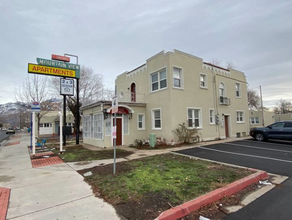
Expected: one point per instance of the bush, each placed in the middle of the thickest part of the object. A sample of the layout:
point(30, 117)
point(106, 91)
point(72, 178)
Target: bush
point(138, 142)
point(185, 134)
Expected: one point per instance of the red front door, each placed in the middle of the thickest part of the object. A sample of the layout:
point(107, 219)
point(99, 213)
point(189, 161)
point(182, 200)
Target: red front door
point(226, 126)
point(119, 131)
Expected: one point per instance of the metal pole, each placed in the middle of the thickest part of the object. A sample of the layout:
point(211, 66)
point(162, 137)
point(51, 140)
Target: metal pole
point(77, 97)
point(61, 133)
point(263, 122)
point(33, 133)
point(30, 131)
point(64, 119)
point(115, 144)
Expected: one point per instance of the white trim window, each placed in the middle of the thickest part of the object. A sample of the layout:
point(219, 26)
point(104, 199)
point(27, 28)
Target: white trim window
point(194, 118)
point(254, 120)
point(108, 126)
point(86, 126)
point(203, 81)
point(156, 119)
point(177, 77)
point(211, 116)
point(158, 80)
point(240, 116)
point(222, 92)
point(97, 126)
point(237, 90)
point(126, 124)
point(141, 121)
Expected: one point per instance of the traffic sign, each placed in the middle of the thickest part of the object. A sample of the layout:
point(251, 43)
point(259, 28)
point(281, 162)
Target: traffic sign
point(114, 132)
point(35, 107)
point(53, 71)
point(115, 104)
point(67, 87)
point(62, 58)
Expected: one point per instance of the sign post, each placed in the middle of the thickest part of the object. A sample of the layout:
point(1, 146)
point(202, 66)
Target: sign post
point(35, 108)
point(61, 133)
point(115, 109)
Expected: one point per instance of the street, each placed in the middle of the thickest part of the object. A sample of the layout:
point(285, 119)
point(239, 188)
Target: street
point(3, 136)
point(273, 157)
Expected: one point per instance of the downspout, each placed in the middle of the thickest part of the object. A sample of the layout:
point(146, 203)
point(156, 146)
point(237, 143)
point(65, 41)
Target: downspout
point(216, 102)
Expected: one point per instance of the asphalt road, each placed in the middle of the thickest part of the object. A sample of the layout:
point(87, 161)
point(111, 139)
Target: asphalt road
point(3, 136)
point(273, 157)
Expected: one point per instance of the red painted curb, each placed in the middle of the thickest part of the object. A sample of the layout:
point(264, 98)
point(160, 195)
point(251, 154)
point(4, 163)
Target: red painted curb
point(195, 204)
point(4, 201)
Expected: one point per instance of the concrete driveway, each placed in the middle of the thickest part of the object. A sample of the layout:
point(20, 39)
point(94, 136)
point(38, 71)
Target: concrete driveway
point(51, 192)
point(273, 157)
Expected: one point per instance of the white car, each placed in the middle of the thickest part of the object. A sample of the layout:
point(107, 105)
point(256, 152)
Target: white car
point(10, 131)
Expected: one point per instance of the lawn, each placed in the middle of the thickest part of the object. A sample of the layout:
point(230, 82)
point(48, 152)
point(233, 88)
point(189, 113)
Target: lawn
point(143, 188)
point(75, 154)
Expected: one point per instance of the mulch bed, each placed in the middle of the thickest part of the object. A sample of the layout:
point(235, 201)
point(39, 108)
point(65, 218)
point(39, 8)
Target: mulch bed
point(160, 146)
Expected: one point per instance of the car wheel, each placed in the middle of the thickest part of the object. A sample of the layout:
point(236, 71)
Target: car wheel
point(259, 137)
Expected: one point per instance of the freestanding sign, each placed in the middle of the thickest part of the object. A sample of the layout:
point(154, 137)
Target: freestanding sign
point(67, 87)
point(62, 58)
point(35, 107)
point(53, 71)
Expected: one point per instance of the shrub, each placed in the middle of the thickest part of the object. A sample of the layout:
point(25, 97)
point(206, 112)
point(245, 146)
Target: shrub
point(185, 134)
point(138, 142)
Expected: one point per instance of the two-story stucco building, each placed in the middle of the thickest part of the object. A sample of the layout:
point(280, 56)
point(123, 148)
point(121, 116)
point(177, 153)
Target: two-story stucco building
point(169, 89)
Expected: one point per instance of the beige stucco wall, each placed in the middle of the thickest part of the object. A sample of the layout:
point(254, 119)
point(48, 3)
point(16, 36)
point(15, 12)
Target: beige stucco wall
point(269, 118)
point(174, 102)
point(283, 117)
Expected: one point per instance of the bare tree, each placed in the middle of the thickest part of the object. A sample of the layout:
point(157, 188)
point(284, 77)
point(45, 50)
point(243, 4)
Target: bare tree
point(229, 65)
point(34, 89)
point(253, 99)
point(216, 62)
point(283, 107)
point(90, 90)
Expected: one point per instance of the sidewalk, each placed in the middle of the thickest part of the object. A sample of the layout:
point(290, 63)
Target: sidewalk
point(50, 192)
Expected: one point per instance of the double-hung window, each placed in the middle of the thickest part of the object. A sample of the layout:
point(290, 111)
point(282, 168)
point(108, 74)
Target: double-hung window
point(177, 77)
point(194, 118)
point(237, 90)
point(239, 116)
point(156, 119)
point(108, 127)
point(86, 126)
point(203, 80)
point(158, 80)
point(254, 120)
point(97, 126)
point(211, 116)
point(141, 121)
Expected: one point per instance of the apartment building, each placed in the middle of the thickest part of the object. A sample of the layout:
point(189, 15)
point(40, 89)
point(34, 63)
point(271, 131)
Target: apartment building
point(255, 118)
point(168, 89)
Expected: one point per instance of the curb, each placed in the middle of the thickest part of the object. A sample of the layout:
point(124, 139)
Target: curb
point(195, 204)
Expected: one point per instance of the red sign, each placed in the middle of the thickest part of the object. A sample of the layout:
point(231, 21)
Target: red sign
point(61, 58)
point(121, 110)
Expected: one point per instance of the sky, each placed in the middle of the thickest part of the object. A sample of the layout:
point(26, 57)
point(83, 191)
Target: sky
point(113, 36)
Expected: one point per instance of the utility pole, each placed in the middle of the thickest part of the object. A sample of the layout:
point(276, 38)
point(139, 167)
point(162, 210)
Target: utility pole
point(262, 107)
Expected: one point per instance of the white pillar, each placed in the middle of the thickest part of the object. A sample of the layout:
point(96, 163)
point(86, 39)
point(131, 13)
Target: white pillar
point(33, 133)
point(61, 132)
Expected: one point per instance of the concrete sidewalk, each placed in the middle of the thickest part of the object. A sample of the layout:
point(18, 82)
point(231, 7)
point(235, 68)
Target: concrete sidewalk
point(51, 192)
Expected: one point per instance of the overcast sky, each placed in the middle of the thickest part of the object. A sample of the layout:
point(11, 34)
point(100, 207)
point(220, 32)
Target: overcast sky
point(115, 36)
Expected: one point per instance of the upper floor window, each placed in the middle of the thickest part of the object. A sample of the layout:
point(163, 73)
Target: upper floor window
point(237, 90)
point(177, 77)
point(222, 92)
point(158, 80)
point(203, 80)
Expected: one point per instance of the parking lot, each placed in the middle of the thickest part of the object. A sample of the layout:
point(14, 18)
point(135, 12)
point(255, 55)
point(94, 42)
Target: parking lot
point(273, 157)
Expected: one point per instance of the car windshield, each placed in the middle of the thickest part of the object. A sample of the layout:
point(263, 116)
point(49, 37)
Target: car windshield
point(10, 129)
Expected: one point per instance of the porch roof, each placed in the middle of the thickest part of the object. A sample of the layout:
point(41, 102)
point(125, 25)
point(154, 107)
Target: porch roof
point(109, 103)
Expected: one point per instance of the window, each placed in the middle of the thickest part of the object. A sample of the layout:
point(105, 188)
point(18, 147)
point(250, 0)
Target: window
point(211, 116)
point(108, 128)
point(86, 126)
point(46, 125)
point(156, 119)
point(97, 126)
point(141, 121)
point(222, 90)
point(278, 125)
point(158, 80)
point(194, 118)
point(237, 90)
point(254, 120)
point(288, 125)
point(203, 80)
point(239, 116)
point(126, 124)
point(177, 77)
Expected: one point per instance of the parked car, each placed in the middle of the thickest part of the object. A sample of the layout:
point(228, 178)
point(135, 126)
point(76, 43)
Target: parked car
point(279, 130)
point(10, 130)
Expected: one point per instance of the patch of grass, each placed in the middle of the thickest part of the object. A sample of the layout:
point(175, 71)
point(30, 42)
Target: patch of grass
point(185, 178)
point(75, 154)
